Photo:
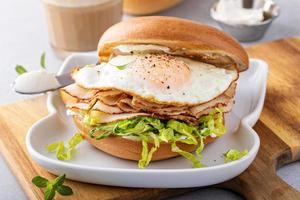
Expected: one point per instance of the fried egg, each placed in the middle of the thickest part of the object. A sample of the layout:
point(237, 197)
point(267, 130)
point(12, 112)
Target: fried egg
point(159, 77)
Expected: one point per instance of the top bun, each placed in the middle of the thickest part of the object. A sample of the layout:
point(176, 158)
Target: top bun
point(183, 37)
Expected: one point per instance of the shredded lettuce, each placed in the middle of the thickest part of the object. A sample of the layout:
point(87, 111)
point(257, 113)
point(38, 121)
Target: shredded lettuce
point(53, 146)
point(234, 154)
point(58, 147)
point(152, 131)
point(166, 134)
point(196, 163)
point(200, 147)
point(63, 153)
point(154, 148)
point(212, 123)
point(183, 128)
point(144, 155)
point(90, 121)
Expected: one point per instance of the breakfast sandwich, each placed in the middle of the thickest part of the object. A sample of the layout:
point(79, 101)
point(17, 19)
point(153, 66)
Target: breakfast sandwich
point(160, 90)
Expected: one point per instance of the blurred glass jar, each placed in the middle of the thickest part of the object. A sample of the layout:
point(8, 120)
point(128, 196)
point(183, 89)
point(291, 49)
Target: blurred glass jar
point(146, 7)
point(77, 25)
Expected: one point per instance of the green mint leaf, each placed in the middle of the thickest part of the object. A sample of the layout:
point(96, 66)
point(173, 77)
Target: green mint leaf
point(52, 186)
point(20, 69)
point(64, 190)
point(59, 181)
point(42, 60)
point(49, 192)
point(40, 182)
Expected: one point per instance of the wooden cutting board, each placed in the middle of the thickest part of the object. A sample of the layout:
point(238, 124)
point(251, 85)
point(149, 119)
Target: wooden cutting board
point(278, 128)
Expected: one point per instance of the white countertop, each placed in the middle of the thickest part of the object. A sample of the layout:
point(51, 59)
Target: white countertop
point(24, 38)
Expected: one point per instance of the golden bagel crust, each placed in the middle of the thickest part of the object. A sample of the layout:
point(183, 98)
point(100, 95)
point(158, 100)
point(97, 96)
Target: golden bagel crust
point(183, 37)
point(129, 149)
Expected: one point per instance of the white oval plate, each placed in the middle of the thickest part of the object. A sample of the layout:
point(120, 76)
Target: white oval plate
point(94, 166)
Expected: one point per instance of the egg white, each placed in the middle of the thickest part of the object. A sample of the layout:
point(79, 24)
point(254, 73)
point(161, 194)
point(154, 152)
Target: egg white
point(205, 81)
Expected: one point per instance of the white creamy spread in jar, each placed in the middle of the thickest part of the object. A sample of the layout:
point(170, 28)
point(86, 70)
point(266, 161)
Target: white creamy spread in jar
point(232, 12)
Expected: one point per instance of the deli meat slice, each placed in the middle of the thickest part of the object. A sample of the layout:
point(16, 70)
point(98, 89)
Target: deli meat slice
point(158, 109)
point(79, 92)
point(225, 101)
point(111, 97)
point(114, 102)
point(127, 106)
point(99, 105)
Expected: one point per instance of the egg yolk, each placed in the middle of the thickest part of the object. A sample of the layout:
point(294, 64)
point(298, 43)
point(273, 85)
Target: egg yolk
point(163, 72)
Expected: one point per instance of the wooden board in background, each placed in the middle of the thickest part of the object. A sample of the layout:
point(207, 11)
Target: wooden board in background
point(278, 128)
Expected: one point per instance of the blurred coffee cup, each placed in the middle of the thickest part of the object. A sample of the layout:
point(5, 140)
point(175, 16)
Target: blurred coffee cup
point(77, 25)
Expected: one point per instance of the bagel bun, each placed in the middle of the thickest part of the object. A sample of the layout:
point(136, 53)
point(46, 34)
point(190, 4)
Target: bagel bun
point(131, 149)
point(183, 38)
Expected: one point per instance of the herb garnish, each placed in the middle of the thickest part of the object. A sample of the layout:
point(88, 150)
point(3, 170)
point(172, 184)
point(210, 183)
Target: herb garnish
point(42, 60)
point(53, 186)
point(20, 69)
point(119, 64)
point(121, 67)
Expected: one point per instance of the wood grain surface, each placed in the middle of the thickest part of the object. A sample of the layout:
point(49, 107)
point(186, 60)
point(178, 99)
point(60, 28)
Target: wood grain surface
point(278, 128)
point(279, 124)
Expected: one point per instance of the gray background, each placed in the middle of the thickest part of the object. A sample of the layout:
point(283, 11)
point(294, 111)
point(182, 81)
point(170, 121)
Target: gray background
point(23, 37)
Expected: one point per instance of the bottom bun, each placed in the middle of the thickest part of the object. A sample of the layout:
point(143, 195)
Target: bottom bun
point(131, 149)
